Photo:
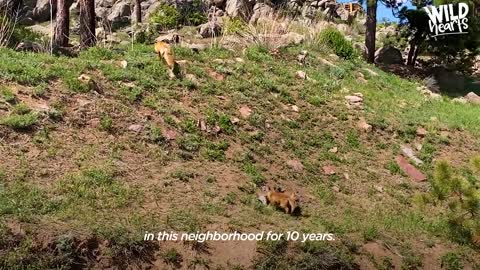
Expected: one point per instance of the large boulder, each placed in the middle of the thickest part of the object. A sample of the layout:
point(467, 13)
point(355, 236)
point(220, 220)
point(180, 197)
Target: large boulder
point(210, 29)
point(388, 55)
point(260, 10)
point(41, 12)
point(119, 14)
point(239, 8)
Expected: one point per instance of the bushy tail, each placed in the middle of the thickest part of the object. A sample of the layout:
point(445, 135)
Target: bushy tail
point(292, 200)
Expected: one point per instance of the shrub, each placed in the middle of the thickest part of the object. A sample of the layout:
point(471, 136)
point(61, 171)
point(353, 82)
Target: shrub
point(335, 40)
point(461, 197)
point(20, 121)
point(234, 26)
point(169, 16)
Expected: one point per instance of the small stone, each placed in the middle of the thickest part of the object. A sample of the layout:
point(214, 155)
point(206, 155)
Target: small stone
point(170, 134)
point(124, 64)
point(202, 125)
point(245, 111)
point(295, 108)
point(216, 129)
point(346, 176)
point(239, 60)
point(234, 120)
point(333, 150)
point(135, 128)
point(363, 125)
point(263, 199)
point(353, 99)
point(410, 170)
point(328, 170)
point(336, 189)
point(191, 78)
point(215, 75)
point(362, 80)
point(418, 146)
point(301, 75)
point(378, 188)
point(371, 72)
point(408, 152)
point(296, 165)
point(421, 132)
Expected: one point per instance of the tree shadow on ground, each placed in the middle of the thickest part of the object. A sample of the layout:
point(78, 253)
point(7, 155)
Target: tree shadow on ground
point(437, 79)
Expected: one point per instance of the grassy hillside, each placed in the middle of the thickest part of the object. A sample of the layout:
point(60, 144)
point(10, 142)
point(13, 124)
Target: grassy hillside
point(88, 166)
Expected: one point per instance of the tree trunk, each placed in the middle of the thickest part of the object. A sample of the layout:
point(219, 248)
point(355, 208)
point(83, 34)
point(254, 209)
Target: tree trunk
point(138, 11)
point(87, 23)
point(62, 26)
point(415, 54)
point(411, 52)
point(371, 29)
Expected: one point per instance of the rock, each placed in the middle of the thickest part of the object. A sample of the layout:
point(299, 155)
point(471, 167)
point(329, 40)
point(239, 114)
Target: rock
point(296, 165)
point(170, 38)
point(410, 170)
point(239, 60)
point(41, 12)
point(202, 125)
point(333, 150)
point(262, 198)
point(408, 152)
point(245, 111)
point(192, 78)
point(210, 29)
point(421, 132)
point(29, 46)
point(124, 64)
point(363, 125)
point(336, 189)
point(388, 55)
point(378, 188)
point(295, 108)
point(472, 98)
point(197, 47)
point(301, 75)
point(260, 10)
point(170, 134)
point(354, 101)
point(329, 170)
point(239, 8)
point(302, 57)
point(119, 14)
point(135, 128)
point(215, 75)
point(371, 72)
point(234, 120)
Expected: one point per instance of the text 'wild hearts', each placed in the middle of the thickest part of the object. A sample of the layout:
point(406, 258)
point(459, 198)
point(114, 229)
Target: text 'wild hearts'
point(448, 19)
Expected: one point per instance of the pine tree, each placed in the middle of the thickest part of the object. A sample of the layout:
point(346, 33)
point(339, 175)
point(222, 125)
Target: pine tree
point(461, 196)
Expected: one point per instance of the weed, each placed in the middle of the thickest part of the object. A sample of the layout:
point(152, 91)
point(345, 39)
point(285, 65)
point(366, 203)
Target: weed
point(21, 122)
point(106, 123)
point(451, 261)
point(7, 94)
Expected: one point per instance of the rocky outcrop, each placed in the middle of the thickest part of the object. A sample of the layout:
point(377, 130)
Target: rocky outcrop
point(388, 55)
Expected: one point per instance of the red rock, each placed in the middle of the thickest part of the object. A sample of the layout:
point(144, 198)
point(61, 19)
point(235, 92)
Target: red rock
point(421, 132)
point(328, 170)
point(295, 165)
point(135, 128)
point(215, 75)
point(170, 134)
point(245, 111)
point(410, 170)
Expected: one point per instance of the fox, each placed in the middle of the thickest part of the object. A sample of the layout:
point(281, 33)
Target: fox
point(285, 200)
point(163, 50)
